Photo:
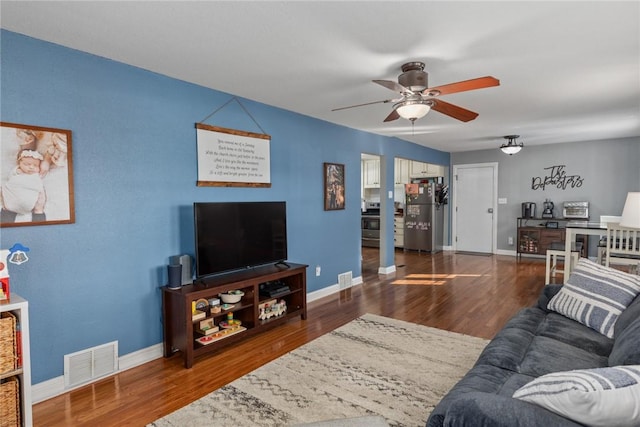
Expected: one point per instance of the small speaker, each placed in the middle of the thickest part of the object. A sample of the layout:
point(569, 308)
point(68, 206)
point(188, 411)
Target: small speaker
point(187, 269)
point(174, 272)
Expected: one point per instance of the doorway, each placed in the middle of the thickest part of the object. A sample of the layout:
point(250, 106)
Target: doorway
point(370, 199)
point(474, 224)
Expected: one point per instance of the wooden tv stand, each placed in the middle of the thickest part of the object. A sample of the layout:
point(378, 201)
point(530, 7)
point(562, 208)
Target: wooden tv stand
point(181, 331)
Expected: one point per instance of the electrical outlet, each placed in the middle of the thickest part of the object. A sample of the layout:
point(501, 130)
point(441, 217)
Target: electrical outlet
point(510, 240)
point(318, 270)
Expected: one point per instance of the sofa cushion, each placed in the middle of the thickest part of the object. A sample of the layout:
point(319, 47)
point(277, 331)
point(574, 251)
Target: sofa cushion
point(626, 348)
point(595, 397)
point(546, 355)
point(570, 332)
point(595, 295)
point(484, 410)
point(535, 343)
point(485, 379)
point(628, 316)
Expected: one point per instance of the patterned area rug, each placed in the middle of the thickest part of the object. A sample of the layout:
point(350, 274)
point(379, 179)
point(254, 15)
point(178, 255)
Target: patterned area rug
point(371, 366)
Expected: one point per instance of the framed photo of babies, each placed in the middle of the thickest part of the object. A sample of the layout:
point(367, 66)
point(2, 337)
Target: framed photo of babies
point(36, 176)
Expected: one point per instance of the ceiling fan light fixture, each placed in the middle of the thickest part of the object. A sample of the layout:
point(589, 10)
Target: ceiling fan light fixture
point(413, 110)
point(511, 147)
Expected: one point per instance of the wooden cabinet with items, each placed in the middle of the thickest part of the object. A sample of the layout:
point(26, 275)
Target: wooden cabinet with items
point(197, 321)
point(15, 370)
point(398, 232)
point(536, 235)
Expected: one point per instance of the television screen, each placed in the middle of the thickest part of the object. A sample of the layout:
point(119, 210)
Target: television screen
point(239, 235)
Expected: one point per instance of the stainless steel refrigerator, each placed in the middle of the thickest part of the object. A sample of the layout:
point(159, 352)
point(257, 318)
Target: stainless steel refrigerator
point(423, 218)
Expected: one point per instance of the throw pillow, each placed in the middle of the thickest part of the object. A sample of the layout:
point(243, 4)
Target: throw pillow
point(593, 397)
point(595, 295)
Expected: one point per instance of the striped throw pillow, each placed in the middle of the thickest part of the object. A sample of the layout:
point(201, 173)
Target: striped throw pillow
point(593, 397)
point(595, 295)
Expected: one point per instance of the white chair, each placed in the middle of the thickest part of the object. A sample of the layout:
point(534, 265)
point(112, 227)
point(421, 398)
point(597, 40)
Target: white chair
point(602, 243)
point(555, 251)
point(623, 246)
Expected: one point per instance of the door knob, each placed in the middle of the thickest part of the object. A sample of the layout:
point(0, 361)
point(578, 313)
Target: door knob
point(490, 210)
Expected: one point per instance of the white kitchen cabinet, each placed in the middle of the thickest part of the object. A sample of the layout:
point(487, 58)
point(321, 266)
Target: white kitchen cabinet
point(417, 169)
point(425, 170)
point(435, 170)
point(371, 170)
point(401, 172)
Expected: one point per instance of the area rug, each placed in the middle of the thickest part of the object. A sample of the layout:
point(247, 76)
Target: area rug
point(371, 366)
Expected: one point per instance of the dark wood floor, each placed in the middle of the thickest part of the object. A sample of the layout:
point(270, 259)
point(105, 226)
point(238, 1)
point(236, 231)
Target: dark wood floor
point(470, 294)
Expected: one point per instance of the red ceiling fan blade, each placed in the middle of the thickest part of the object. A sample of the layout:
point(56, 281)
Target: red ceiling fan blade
point(362, 105)
point(454, 111)
point(396, 87)
point(392, 116)
point(473, 84)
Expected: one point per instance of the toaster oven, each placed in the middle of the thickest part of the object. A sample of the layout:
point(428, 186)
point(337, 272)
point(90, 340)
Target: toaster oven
point(576, 210)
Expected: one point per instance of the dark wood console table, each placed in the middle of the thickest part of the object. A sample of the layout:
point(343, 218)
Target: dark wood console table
point(181, 331)
point(534, 237)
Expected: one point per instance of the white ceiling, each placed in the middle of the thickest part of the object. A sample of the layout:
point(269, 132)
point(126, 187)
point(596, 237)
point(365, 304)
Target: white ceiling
point(569, 71)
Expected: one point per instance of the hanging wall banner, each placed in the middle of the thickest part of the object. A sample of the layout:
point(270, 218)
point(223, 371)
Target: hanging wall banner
point(232, 158)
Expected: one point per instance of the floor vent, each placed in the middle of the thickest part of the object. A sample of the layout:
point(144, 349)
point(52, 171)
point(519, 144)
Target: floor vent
point(345, 280)
point(87, 365)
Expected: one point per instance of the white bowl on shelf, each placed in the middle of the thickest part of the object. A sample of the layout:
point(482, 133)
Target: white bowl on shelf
point(231, 297)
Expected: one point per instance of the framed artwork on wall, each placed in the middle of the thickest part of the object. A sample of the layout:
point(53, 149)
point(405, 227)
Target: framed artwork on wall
point(36, 176)
point(334, 187)
point(232, 158)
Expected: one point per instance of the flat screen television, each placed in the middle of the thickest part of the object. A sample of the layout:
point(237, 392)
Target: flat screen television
point(239, 235)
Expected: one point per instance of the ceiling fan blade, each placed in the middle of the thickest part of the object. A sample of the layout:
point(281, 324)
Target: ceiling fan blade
point(392, 116)
point(473, 84)
point(362, 105)
point(454, 111)
point(396, 87)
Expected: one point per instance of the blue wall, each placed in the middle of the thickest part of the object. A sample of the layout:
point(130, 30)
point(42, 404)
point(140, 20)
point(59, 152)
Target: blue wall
point(135, 171)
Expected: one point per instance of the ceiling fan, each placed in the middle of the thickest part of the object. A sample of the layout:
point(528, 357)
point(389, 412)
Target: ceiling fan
point(417, 98)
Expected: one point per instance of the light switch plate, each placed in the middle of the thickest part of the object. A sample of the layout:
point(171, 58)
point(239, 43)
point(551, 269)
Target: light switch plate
point(502, 201)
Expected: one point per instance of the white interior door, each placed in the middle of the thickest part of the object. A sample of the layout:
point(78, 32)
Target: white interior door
point(474, 207)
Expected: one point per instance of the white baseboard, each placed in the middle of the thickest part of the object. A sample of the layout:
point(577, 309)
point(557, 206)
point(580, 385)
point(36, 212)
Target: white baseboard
point(329, 290)
point(47, 389)
point(387, 270)
point(140, 357)
point(55, 386)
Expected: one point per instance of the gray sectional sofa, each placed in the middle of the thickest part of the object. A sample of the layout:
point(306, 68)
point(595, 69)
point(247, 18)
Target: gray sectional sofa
point(536, 342)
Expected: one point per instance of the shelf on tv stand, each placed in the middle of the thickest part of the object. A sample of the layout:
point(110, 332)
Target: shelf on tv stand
point(180, 331)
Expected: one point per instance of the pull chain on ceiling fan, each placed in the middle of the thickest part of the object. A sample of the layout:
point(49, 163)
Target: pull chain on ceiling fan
point(417, 99)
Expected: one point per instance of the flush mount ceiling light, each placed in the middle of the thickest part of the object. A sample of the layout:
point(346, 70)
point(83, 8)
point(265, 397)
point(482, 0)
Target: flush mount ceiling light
point(512, 147)
point(413, 109)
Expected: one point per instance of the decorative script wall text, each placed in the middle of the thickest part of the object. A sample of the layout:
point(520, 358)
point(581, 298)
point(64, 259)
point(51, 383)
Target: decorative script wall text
point(556, 177)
